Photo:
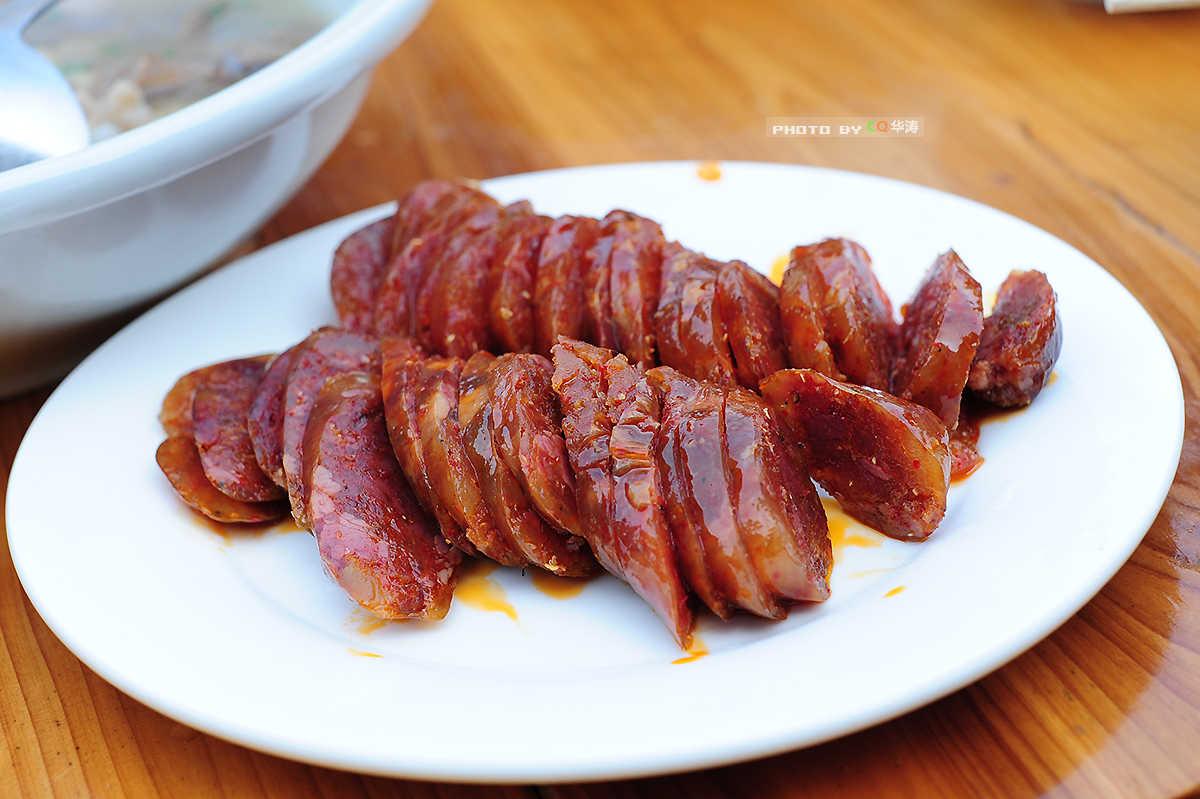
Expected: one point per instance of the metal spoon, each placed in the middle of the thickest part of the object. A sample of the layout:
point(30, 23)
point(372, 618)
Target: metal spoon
point(40, 115)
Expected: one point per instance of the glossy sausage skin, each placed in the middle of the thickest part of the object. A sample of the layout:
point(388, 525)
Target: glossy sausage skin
point(597, 326)
point(326, 353)
point(941, 330)
point(220, 408)
point(778, 510)
point(635, 272)
point(886, 460)
point(417, 209)
point(640, 531)
point(859, 327)
point(690, 331)
point(264, 421)
point(358, 266)
point(375, 540)
point(802, 315)
point(748, 304)
point(402, 373)
point(510, 285)
point(558, 286)
point(474, 417)
point(180, 462)
point(1020, 344)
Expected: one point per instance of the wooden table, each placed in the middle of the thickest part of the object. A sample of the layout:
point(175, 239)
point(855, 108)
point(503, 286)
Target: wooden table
point(1085, 125)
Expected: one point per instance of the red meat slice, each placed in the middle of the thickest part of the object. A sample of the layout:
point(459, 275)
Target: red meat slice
point(635, 271)
point(511, 283)
point(691, 333)
point(938, 339)
point(180, 462)
point(748, 304)
point(358, 266)
point(220, 408)
point(264, 421)
point(326, 353)
point(886, 460)
point(376, 541)
point(1020, 344)
point(558, 285)
point(802, 314)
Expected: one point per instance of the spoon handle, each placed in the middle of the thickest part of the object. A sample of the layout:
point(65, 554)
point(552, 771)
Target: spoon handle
point(15, 15)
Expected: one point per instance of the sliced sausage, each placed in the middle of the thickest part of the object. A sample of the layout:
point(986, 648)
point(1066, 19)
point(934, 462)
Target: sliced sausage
point(418, 208)
point(635, 271)
point(458, 299)
point(859, 326)
point(886, 460)
point(644, 549)
point(402, 374)
point(1020, 344)
point(941, 330)
point(596, 327)
point(474, 415)
point(964, 443)
point(511, 283)
point(375, 540)
point(264, 421)
point(220, 408)
point(396, 310)
point(691, 333)
point(326, 353)
point(358, 266)
point(777, 508)
point(180, 462)
point(748, 304)
point(558, 284)
point(802, 314)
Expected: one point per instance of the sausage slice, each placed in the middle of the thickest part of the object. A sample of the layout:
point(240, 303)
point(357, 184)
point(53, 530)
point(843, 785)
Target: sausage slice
point(358, 266)
point(1020, 344)
point(180, 462)
point(558, 285)
point(802, 314)
point(376, 541)
point(748, 304)
point(635, 271)
point(886, 460)
point(690, 330)
point(510, 285)
point(264, 421)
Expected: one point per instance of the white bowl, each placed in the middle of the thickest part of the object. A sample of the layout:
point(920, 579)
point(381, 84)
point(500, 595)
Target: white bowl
point(88, 236)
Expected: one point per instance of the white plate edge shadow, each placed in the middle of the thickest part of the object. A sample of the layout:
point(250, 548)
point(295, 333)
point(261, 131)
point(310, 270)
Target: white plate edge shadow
point(666, 758)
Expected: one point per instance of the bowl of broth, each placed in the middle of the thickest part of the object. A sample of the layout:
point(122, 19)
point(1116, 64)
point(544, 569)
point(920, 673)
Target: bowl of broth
point(205, 117)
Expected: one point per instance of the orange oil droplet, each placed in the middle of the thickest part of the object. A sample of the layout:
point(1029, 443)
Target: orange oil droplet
point(694, 652)
point(1053, 379)
point(557, 587)
point(477, 590)
point(777, 268)
point(840, 533)
point(894, 591)
point(709, 170)
point(361, 654)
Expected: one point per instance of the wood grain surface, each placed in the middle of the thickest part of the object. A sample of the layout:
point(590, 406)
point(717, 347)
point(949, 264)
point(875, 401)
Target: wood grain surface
point(1083, 124)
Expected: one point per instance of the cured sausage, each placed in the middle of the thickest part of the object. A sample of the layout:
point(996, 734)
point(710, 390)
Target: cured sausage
point(558, 284)
point(639, 529)
point(859, 327)
point(528, 436)
point(396, 310)
point(886, 460)
point(457, 299)
point(635, 271)
point(264, 421)
point(964, 443)
point(447, 467)
point(802, 315)
point(938, 339)
point(676, 392)
point(402, 376)
point(326, 353)
point(176, 412)
point(1020, 344)
point(474, 414)
point(180, 462)
point(526, 433)
point(778, 511)
point(596, 326)
point(374, 538)
point(690, 331)
point(748, 304)
point(417, 209)
point(511, 283)
point(358, 265)
point(219, 410)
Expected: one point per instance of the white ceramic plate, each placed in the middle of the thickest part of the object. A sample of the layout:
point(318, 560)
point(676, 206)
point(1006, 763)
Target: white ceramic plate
point(243, 635)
